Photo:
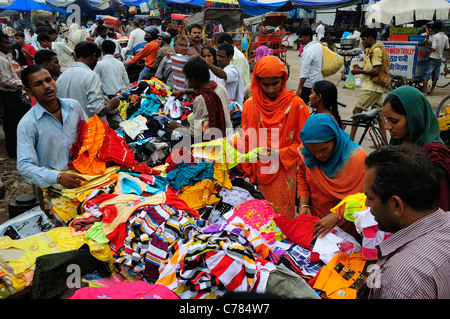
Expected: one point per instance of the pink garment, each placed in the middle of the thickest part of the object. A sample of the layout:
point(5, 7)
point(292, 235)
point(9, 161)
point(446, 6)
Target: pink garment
point(263, 51)
point(255, 213)
point(126, 290)
point(372, 237)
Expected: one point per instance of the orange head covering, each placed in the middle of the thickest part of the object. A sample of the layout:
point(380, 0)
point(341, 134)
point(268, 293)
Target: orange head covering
point(287, 113)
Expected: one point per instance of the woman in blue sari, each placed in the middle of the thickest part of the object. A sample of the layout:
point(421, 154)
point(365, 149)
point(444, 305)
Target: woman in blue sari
point(331, 167)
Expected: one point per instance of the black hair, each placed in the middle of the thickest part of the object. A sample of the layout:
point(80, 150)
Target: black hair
point(52, 31)
point(30, 70)
point(228, 48)
point(213, 53)
point(43, 36)
point(110, 34)
point(329, 94)
point(438, 25)
point(396, 104)
point(305, 31)
point(40, 29)
point(369, 32)
point(196, 68)
point(86, 49)
point(109, 47)
point(19, 34)
point(223, 37)
point(135, 23)
point(405, 171)
point(194, 26)
point(43, 56)
point(173, 32)
point(101, 28)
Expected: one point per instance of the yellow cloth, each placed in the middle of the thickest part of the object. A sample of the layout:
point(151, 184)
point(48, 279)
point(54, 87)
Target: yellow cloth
point(349, 205)
point(199, 195)
point(56, 240)
point(92, 181)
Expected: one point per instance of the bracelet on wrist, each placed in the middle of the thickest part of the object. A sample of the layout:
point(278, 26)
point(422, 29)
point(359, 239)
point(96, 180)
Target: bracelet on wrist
point(305, 205)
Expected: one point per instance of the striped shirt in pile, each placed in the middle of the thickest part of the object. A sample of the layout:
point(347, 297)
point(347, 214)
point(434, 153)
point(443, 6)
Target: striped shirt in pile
point(414, 263)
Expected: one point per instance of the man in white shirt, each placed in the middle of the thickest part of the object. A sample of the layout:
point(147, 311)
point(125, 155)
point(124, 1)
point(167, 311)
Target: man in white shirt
point(112, 72)
point(439, 43)
point(227, 74)
point(66, 55)
point(320, 31)
point(137, 37)
point(239, 60)
point(53, 34)
point(81, 83)
point(311, 63)
point(101, 35)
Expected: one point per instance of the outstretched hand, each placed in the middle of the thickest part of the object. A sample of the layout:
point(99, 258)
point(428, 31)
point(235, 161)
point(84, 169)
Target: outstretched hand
point(325, 225)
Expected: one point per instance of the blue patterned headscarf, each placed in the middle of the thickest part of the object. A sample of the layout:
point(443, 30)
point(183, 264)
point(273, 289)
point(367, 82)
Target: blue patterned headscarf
point(323, 128)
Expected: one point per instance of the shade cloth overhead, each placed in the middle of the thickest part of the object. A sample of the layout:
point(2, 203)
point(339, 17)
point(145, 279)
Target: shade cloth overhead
point(30, 5)
point(255, 8)
point(86, 6)
point(325, 4)
point(385, 10)
point(201, 2)
point(230, 19)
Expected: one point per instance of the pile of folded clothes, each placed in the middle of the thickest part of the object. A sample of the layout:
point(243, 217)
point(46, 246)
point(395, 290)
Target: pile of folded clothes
point(144, 225)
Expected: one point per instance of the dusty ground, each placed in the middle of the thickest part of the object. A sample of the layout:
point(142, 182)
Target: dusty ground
point(15, 185)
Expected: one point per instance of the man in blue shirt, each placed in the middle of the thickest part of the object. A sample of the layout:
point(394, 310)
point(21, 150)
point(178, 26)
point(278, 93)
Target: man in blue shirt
point(46, 132)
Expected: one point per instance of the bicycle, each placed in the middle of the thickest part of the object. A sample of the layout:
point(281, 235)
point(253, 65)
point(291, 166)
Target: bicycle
point(444, 78)
point(367, 120)
point(443, 105)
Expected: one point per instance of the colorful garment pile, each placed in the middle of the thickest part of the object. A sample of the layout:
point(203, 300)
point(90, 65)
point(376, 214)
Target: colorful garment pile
point(98, 146)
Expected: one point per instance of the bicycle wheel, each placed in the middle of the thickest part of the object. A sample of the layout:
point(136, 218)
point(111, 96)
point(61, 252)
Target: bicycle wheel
point(377, 137)
point(444, 80)
point(443, 105)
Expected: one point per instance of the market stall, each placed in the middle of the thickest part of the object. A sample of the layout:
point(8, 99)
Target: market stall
point(161, 222)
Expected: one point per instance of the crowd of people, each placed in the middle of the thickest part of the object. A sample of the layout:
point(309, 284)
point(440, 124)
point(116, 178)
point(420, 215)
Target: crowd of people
point(306, 164)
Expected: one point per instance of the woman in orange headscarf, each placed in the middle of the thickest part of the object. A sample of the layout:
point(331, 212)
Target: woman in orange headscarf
point(272, 120)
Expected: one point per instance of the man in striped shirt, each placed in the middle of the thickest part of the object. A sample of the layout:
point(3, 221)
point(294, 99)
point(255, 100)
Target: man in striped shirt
point(402, 189)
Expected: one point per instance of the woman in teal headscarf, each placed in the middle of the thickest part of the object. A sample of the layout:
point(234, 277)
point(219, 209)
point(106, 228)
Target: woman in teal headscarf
point(331, 167)
point(410, 119)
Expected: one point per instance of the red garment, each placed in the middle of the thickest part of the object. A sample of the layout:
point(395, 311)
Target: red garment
point(214, 105)
point(31, 50)
point(439, 155)
point(299, 230)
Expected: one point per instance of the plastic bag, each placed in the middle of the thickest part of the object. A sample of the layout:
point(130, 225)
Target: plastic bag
point(349, 82)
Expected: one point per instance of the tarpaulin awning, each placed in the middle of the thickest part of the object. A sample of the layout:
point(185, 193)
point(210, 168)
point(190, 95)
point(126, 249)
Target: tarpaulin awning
point(326, 4)
point(255, 8)
point(385, 10)
point(86, 6)
point(201, 2)
point(230, 18)
point(30, 5)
